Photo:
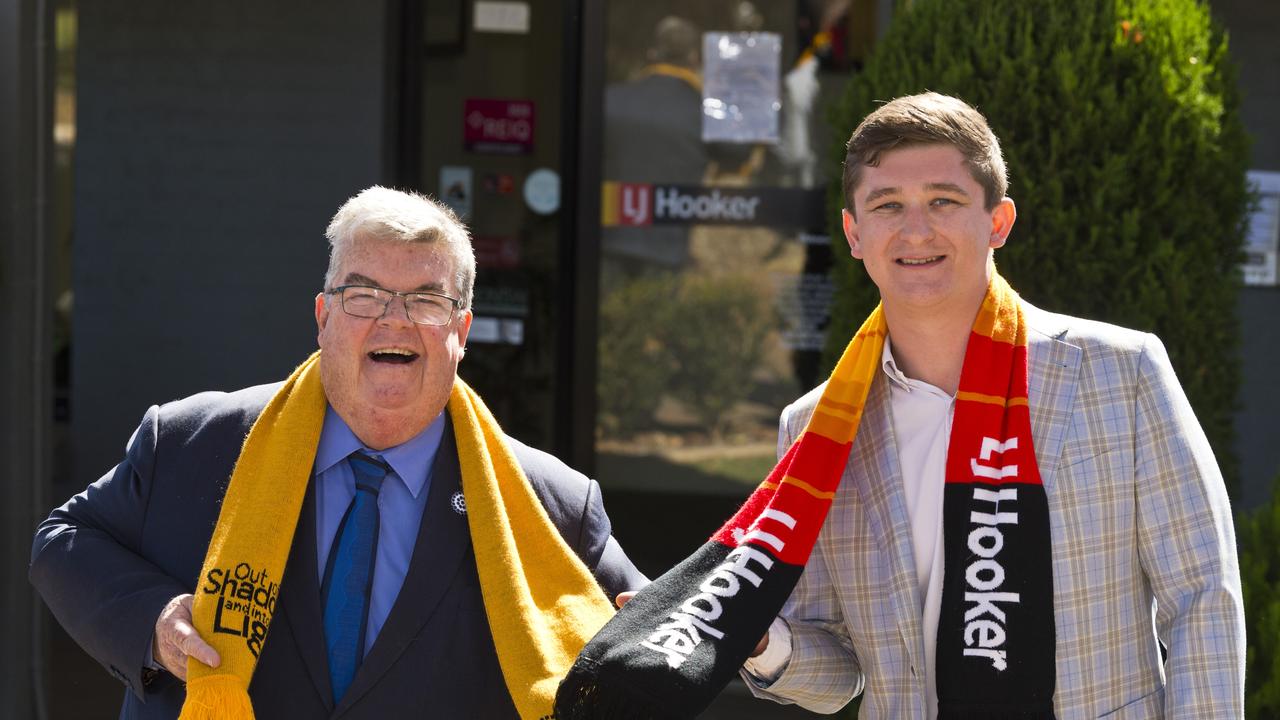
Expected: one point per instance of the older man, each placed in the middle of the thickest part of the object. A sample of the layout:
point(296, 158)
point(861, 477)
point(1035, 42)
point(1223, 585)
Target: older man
point(361, 539)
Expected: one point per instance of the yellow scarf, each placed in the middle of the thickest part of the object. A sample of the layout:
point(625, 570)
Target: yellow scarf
point(542, 603)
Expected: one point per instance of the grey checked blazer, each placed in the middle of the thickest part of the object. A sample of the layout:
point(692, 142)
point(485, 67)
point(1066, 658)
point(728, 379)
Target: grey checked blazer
point(1143, 546)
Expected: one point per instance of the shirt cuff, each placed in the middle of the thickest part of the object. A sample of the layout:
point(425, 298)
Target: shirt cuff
point(768, 665)
point(150, 668)
point(149, 662)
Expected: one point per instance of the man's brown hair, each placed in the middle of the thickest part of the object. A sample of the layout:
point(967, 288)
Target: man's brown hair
point(928, 119)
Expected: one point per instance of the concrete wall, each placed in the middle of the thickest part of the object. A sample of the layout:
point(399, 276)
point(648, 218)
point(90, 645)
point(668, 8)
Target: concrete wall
point(25, 369)
point(215, 142)
point(1254, 28)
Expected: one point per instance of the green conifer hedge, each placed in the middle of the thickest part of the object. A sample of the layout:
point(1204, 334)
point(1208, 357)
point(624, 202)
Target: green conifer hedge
point(1120, 123)
point(1259, 537)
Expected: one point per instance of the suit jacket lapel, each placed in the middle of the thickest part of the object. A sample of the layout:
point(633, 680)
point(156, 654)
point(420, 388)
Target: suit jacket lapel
point(1054, 369)
point(301, 600)
point(443, 540)
point(876, 471)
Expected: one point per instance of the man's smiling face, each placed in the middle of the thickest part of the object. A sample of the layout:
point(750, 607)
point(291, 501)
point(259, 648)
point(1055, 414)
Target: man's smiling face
point(389, 377)
point(922, 230)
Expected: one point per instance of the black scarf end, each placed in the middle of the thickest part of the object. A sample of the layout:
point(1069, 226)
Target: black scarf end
point(581, 697)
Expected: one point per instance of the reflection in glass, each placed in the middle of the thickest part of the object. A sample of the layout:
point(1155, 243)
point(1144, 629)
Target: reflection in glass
point(714, 257)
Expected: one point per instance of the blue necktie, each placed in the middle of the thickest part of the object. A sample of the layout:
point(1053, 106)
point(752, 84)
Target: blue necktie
point(348, 576)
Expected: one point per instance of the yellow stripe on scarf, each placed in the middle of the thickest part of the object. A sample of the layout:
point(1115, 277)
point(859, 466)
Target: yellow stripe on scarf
point(543, 604)
point(839, 410)
point(252, 539)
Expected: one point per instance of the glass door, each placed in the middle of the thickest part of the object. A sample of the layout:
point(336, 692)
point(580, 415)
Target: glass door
point(713, 259)
point(490, 98)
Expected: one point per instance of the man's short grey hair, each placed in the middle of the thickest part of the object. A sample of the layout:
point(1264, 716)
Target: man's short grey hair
point(380, 213)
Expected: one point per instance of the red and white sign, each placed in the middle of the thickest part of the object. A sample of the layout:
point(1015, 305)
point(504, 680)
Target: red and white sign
point(498, 126)
point(635, 204)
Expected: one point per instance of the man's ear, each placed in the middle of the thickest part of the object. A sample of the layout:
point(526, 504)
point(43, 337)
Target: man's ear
point(322, 312)
point(1002, 217)
point(464, 327)
point(851, 233)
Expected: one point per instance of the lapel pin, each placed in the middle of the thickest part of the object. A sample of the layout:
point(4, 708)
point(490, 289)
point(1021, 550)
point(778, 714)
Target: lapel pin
point(458, 502)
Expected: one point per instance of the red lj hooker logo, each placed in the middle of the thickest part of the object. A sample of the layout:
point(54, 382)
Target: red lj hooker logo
point(637, 204)
point(628, 204)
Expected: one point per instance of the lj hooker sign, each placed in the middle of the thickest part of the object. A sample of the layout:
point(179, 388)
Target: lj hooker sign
point(639, 204)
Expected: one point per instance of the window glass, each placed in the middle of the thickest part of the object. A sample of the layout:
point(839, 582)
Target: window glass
point(714, 253)
point(491, 148)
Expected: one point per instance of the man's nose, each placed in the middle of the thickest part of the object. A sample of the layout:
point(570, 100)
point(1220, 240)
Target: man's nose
point(915, 223)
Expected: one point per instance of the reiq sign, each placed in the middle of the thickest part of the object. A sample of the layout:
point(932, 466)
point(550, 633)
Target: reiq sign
point(498, 126)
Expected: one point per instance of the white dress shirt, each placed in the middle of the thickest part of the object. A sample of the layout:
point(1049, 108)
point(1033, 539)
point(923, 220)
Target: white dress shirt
point(921, 414)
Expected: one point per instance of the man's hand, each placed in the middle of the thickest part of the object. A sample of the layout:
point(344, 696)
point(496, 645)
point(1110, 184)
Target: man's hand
point(175, 639)
point(623, 597)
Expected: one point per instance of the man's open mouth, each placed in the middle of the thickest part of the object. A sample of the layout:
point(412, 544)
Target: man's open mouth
point(921, 261)
point(395, 356)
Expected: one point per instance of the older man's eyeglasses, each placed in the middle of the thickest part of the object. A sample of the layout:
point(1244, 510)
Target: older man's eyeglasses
point(423, 308)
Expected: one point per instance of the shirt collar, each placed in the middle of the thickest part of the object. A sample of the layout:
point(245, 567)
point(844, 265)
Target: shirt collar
point(890, 367)
point(411, 460)
point(900, 379)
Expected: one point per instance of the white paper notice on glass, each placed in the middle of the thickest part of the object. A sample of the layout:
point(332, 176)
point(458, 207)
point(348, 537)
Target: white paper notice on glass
point(740, 87)
point(1263, 241)
point(501, 17)
point(455, 189)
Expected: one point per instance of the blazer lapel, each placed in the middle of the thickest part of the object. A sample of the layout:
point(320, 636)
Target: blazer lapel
point(876, 471)
point(443, 540)
point(1054, 369)
point(301, 600)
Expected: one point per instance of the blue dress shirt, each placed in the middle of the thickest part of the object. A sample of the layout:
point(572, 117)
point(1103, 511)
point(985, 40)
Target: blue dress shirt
point(400, 504)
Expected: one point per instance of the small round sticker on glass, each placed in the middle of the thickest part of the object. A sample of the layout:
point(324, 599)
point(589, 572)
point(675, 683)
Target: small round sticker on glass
point(542, 191)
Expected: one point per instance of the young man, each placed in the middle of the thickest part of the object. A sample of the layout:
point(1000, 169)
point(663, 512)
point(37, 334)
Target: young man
point(1025, 518)
point(406, 557)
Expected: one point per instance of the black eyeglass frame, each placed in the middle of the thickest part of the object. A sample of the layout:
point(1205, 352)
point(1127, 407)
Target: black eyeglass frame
point(454, 303)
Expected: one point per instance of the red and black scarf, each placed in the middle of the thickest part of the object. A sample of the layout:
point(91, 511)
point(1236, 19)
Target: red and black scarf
point(674, 647)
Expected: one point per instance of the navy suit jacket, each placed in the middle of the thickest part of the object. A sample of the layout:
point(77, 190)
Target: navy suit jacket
point(108, 561)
